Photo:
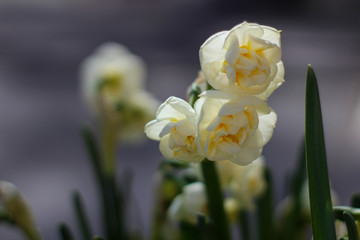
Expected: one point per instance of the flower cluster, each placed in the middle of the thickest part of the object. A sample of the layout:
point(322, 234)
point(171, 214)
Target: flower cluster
point(232, 121)
point(112, 82)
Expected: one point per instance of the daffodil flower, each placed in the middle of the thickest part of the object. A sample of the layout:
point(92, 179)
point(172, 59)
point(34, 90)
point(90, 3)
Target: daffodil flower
point(244, 60)
point(175, 128)
point(233, 127)
point(187, 205)
point(109, 74)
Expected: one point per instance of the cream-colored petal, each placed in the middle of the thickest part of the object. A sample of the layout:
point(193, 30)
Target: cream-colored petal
point(185, 127)
point(233, 52)
point(164, 147)
point(212, 50)
point(214, 75)
point(237, 105)
point(174, 108)
point(251, 151)
point(277, 82)
point(266, 125)
point(273, 55)
point(167, 128)
point(242, 33)
point(154, 128)
point(176, 210)
point(272, 35)
point(218, 94)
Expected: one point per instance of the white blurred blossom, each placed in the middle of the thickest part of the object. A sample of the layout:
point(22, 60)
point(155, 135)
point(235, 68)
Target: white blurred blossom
point(248, 182)
point(244, 60)
point(109, 74)
point(192, 202)
point(112, 84)
point(187, 205)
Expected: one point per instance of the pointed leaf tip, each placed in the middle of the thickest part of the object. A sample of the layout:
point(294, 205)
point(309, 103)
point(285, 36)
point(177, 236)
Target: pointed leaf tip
point(319, 190)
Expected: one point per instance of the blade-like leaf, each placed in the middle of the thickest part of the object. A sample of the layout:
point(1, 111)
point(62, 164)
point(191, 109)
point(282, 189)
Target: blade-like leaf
point(109, 198)
point(319, 190)
point(65, 232)
point(81, 216)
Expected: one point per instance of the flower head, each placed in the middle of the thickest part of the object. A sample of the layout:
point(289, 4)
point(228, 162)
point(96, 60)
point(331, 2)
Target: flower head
point(109, 74)
point(188, 204)
point(175, 128)
point(192, 202)
point(233, 127)
point(244, 60)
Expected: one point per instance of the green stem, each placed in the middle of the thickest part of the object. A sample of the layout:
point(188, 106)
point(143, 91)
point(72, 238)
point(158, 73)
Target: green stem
point(265, 210)
point(215, 199)
point(109, 146)
point(65, 232)
point(244, 225)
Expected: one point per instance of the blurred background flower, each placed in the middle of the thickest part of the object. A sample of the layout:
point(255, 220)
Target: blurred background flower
point(42, 44)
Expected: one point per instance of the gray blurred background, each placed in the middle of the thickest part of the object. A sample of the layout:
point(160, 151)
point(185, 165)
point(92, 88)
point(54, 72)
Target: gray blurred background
point(42, 43)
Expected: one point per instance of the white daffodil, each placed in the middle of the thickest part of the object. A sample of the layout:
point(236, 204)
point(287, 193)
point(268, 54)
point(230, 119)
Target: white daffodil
point(192, 202)
point(248, 182)
point(175, 128)
point(244, 60)
point(187, 205)
point(233, 127)
point(109, 74)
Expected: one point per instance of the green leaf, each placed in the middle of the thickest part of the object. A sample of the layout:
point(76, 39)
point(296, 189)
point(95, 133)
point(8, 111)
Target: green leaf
point(299, 175)
point(319, 190)
point(351, 226)
point(5, 216)
point(81, 216)
point(265, 210)
point(93, 151)
point(111, 208)
point(65, 232)
point(215, 199)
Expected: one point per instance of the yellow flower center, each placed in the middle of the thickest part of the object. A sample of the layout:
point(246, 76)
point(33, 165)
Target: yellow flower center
point(249, 69)
point(188, 148)
point(112, 85)
point(235, 129)
point(181, 143)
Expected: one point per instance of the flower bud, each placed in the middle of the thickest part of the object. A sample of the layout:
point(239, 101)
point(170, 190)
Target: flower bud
point(18, 209)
